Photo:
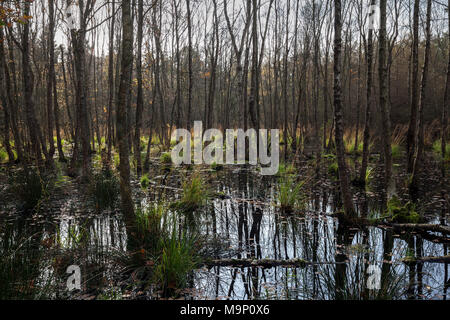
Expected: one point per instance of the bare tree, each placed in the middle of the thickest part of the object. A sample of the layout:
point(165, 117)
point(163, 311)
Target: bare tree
point(350, 212)
point(122, 116)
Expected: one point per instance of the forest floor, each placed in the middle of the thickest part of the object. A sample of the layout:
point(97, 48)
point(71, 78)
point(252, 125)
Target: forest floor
point(251, 239)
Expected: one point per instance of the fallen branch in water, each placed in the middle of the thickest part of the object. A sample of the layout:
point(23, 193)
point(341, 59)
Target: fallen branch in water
point(264, 263)
point(443, 259)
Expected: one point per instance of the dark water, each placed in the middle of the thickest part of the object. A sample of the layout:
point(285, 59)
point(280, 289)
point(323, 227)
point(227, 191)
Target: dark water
point(247, 224)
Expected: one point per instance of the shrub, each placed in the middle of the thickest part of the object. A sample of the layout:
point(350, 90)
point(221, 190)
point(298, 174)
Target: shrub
point(178, 258)
point(105, 189)
point(145, 181)
point(216, 167)
point(166, 158)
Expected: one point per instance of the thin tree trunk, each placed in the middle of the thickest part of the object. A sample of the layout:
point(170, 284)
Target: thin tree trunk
point(140, 96)
point(350, 213)
point(384, 106)
point(413, 188)
point(411, 141)
point(122, 124)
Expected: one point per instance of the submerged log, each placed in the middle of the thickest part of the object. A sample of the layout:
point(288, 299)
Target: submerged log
point(421, 227)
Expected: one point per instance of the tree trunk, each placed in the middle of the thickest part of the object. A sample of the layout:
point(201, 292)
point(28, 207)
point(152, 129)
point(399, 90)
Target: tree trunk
point(423, 99)
point(350, 213)
point(122, 125)
point(140, 96)
point(384, 106)
point(411, 139)
point(368, 113)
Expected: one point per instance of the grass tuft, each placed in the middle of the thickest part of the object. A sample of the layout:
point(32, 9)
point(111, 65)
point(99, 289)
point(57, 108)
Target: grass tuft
point(105, 189)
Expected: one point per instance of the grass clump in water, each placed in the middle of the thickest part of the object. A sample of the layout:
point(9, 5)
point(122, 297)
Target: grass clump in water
point(149, 227)
point(194, 194)
point(177, 259)
point(402, 213)
point(216, 167)
point(290, 195)
point(105, 189)
point(286, 169)
point(437, 149)
point(166, 158)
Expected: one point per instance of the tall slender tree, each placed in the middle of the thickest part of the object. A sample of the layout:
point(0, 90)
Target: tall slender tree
point(122, 116)
point(346, 194)
point(383, 98)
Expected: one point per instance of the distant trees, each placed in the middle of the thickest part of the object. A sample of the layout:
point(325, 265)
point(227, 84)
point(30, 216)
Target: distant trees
point(231, 63)
point(383, 98)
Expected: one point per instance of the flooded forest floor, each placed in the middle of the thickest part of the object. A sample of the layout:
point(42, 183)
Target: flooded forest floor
point(224, 232)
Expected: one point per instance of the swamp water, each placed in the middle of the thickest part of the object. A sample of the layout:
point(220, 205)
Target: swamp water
point(244, 222)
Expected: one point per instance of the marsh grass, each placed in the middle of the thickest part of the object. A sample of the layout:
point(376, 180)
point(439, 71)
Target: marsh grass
point(149, 225)
point(194, 194)
point(437, 150)
point(145, 181)
point(402, 213)
point(20, 275)
point(291, 196)
point(286, 169)
point(30, 187)
point(177, 260)
point(104, 189)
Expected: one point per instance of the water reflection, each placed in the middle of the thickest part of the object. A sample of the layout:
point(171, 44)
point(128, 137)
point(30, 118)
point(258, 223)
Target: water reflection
point(247, 225)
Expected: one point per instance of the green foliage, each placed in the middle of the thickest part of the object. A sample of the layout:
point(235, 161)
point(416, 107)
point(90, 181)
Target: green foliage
point(216, 167)
point(145, 181)
point(290, 195)
point(402, 213)
point(166, 158)
point(286, 169)
point(116, 159)
point(333, 168)
point(3, 155)
point(105, 189)
point(369, 174)
point(396, 151)
point(178, 258)
point(21, 274)
point(350, 147)
point(437, 149)
point(194, 194)
point(29, 187)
